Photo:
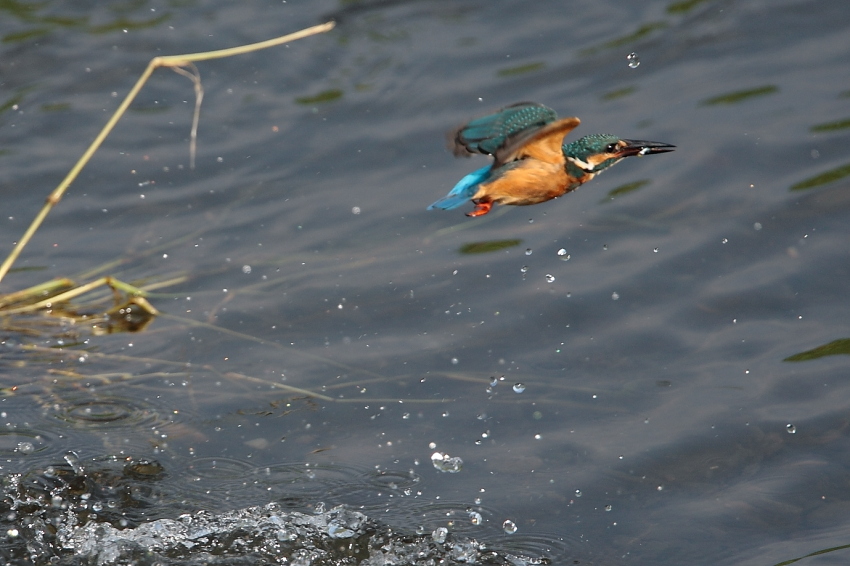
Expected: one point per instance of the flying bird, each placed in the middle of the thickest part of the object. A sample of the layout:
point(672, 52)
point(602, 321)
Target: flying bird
point(532, 161)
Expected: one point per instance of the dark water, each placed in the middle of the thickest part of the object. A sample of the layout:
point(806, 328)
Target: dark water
point(329, 323)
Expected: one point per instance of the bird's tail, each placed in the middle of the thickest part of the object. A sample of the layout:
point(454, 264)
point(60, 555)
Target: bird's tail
point(463, 191)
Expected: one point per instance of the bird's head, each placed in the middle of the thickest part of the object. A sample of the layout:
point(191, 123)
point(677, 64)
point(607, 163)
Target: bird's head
point(594, 153)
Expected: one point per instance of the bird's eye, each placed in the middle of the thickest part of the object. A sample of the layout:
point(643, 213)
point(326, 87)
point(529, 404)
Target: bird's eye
point(612, 148)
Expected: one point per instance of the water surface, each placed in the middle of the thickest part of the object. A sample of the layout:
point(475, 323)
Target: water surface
point(328, 319)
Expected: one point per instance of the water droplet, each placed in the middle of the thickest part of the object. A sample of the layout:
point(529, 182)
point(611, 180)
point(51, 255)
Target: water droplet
point(605, 247)
point(757, 226)
point(494, 381)
point(26, 447)
point(655, 250)
point(608, 507)
point(528, 251)
point(578, 493)
point(74, 461)
point(509, 527)
point(454, 361)
point(519, 387)
point(355, 210)
point(633, 59)
point(563, 255)
point(439, 535)
point(446, 463)
point(338, 529)
point(791, 428)
point(550, 278)
point(524, 269)
point(475, 518)
point(615, 296)
point(724, 241)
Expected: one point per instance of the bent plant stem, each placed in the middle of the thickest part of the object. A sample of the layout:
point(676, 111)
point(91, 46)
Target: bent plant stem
point(172, 61)
point(111, 282)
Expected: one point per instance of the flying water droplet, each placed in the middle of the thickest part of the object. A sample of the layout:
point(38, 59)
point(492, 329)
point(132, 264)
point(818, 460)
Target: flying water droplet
point(446, 463)
point(528, 251)
point(550, 278)
point(26, 447)
point(524, 269)
point(509, 527)
point(439, 535)
point(74, 461)
point(475, 518)
point(563, 255)
point(791, 428)
point(615, 296)
point(633, 59)
point(519, 387)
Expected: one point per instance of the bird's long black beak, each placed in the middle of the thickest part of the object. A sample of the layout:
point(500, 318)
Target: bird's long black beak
point(641, 147)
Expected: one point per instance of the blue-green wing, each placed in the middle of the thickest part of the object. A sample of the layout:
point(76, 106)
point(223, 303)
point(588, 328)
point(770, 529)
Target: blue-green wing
point(491, 134)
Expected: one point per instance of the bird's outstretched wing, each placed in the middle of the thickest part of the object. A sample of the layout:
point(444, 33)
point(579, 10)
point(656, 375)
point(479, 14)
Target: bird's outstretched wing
point(493, 133)
point(544, 143)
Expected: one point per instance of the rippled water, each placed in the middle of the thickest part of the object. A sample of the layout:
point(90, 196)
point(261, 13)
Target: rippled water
point(617, 369)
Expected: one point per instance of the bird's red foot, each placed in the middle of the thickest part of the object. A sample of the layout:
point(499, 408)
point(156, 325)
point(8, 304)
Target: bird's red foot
point(480, 209)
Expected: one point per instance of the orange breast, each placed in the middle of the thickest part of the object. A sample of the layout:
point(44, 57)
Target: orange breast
point(530, 181)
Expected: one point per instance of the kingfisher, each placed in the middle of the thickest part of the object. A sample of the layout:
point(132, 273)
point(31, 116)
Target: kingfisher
point(532, 161)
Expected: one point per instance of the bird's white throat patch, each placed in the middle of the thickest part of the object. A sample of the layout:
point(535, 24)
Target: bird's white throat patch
point(583, 165)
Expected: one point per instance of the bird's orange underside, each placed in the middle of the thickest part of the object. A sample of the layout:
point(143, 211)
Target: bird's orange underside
point(540, 174)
